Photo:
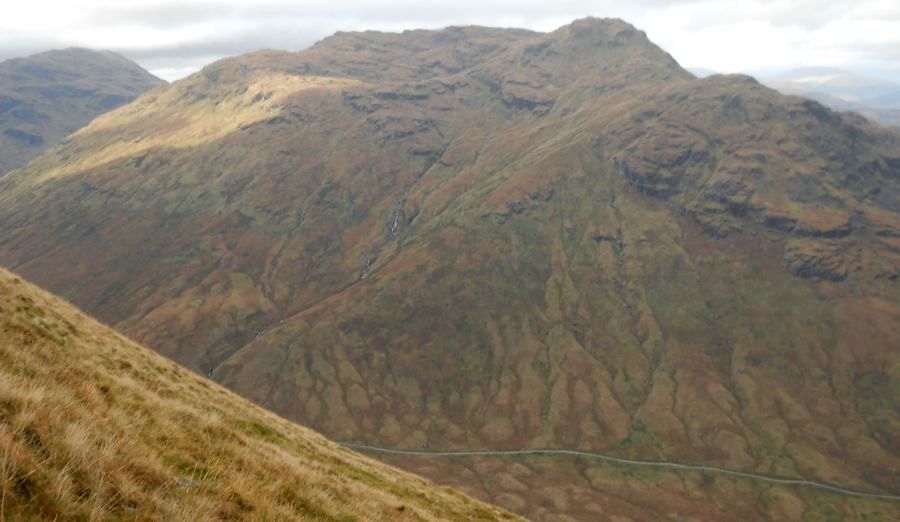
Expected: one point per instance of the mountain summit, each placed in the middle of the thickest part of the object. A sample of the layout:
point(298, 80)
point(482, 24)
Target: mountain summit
point(47, 96)
point(480, 238)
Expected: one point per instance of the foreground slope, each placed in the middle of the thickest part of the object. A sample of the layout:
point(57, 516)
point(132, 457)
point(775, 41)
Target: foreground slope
point(479, 238)
point(47, 96)
point(93, 426)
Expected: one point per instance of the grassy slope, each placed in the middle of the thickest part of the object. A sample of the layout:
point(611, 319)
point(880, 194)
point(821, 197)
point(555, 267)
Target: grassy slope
point(93, 426)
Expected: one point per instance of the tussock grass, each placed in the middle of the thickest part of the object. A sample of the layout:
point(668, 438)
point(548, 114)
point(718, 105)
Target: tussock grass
point(95, 427)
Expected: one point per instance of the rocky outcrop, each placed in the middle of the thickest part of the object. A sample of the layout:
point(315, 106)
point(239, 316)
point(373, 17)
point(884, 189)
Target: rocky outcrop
point(658, 161)
point(816, 260)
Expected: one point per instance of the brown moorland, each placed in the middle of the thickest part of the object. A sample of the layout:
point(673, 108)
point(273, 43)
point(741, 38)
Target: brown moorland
point(482, 238)
point(95, 427)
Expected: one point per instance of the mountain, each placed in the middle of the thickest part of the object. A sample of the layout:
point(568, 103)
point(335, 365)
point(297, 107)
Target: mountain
point(890, 101)
point(497, 239)
point(45, 97)
point(842, 90)
point(93, 426)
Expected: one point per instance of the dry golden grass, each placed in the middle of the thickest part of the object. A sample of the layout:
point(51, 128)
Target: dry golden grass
point(95, 427)
point(190, 117)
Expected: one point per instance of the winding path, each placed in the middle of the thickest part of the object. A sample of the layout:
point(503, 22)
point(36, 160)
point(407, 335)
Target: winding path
point(619, 460)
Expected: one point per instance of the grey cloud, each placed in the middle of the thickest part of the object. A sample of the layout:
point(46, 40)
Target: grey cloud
point(803, 14)
point(168, 14)
point(19, 48)
point(888, 52)
point(162, 15)
point(191, 56)
point(229, 45)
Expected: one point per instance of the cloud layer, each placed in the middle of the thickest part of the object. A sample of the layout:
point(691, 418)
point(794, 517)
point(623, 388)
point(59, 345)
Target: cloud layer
point(174, 38)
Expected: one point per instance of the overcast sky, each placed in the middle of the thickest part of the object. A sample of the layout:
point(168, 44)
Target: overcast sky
point(173, 38)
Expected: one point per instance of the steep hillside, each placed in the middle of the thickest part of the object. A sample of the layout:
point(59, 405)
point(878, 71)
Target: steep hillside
point(480, 238)
point(95, 427)
point(47, 96)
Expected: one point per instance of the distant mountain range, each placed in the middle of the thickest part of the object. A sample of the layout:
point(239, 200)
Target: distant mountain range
point(841, 84)
point(47, 96)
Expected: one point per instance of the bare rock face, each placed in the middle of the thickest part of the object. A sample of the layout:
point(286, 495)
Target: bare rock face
point(47, 96)
point(490, 238)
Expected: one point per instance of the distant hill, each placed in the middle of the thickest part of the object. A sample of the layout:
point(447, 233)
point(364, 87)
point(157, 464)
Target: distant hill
point(874, 98)
point(95, 427)
point(885, 101)
point(840, 83)
point(45, 97)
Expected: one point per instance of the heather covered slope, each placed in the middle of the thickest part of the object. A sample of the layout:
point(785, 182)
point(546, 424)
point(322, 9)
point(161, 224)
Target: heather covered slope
point(484, 238)
point(47, 96)
point(93, 426)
